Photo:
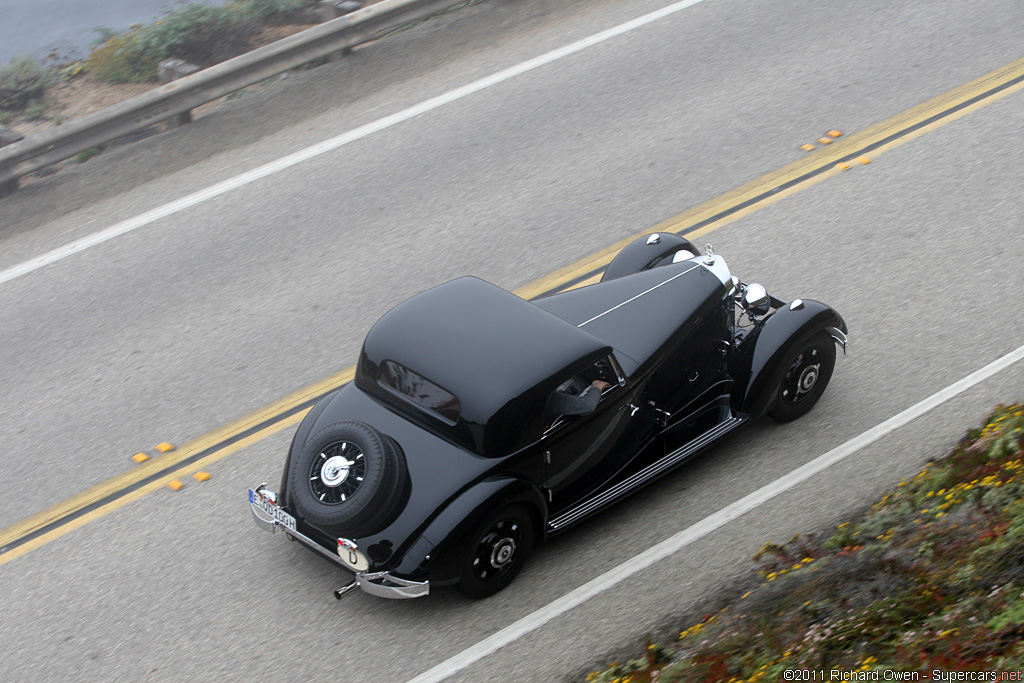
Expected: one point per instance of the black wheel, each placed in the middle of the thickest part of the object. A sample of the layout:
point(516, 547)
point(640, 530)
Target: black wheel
point(805, 375)
point(498, 550)
point(349, 480)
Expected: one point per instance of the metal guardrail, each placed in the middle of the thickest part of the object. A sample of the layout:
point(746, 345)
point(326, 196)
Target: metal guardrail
point(178, 97)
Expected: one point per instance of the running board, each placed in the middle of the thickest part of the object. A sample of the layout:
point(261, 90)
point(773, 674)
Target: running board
point(644, 475)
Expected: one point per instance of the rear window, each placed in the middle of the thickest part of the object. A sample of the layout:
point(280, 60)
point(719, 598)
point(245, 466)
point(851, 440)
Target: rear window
point(412, 386)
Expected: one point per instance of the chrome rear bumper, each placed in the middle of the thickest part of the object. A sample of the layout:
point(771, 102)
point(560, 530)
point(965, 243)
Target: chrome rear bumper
point(380, 584)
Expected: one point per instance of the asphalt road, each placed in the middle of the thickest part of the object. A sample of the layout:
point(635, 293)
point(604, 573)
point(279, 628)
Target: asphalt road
point(187, 323)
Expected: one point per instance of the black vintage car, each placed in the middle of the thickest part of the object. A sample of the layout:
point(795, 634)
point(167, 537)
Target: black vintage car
point(479, 423)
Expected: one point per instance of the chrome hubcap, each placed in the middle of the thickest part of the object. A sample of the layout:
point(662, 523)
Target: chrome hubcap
point(802, 376)
point(808, 377)
point(337, 472)
point(496, 552)
point(503, 553)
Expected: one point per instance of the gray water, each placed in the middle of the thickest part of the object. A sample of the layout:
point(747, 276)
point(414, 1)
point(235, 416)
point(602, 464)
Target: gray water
point(65, 27)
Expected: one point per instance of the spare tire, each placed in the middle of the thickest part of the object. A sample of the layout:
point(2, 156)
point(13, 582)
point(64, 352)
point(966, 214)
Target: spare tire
point(349, 480)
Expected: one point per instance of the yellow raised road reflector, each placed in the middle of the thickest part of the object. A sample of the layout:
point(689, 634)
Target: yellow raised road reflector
point(825, 140)
point(834, 133)
point(140, 457)
point(807, 148)
point(165, 447)
point(864, 160)
point(175, 485)
point(843, 166)
point(201, 476)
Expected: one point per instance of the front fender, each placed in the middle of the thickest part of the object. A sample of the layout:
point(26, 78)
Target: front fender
point(642, 254)
point(445, 537)
point(755, 364)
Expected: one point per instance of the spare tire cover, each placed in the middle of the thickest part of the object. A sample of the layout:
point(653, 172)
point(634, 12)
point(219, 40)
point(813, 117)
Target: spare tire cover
point(349, 480)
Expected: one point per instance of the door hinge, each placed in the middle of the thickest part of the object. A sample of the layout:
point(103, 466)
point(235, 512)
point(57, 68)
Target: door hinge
point(662, 416)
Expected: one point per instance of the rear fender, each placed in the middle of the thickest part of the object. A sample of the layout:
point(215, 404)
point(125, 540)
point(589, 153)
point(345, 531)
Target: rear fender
point(645, 253)
point(445, 538)
point(299, 440)
point(755, 365)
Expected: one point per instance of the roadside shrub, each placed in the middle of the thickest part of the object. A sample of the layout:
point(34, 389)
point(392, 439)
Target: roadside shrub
point(73, 70)
point(83, 157)
point(199, 34)
point(272, 10)
point(35, 110)
point(21, 81)
point(930, 577)
point(122, 58)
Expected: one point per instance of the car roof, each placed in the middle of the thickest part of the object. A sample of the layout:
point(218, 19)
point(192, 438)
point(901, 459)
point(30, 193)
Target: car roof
point(500, 356)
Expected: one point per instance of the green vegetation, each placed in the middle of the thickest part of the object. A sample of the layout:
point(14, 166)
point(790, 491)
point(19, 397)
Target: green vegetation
point(120, 59)
point(200, 34)
point(34, 111)
point(83, 157)
point(22, 81)
point(931, 577)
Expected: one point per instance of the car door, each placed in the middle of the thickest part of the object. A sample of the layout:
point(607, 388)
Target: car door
point(582, 452)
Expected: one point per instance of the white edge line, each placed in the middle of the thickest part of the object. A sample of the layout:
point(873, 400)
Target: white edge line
point(312, 151)
point(707, 525)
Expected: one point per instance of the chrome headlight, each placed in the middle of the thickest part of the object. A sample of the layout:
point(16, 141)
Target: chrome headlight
point(755, 299)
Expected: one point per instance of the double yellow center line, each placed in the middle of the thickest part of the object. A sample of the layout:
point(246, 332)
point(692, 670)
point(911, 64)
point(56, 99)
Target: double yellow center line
point(807, 171)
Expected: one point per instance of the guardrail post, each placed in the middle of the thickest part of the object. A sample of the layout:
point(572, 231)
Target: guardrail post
point(332, 9)
point(8, 137)
point(171, 70)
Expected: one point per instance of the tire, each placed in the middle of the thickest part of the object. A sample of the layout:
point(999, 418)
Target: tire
point(498, 549)
point(349, 480)
point(806, 372)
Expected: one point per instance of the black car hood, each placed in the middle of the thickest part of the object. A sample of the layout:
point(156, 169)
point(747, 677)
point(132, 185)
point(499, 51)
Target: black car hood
point(637, 314)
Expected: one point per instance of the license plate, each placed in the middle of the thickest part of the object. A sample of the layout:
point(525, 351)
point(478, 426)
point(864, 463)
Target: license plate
point(272, 510)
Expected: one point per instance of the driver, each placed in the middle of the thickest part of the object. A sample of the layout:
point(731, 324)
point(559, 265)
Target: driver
point(574, 397)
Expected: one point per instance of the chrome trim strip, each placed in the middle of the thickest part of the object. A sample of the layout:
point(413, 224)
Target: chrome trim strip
point(840, 337)
point(637, 296)
point(262, 522)
point(380, 584)
point(645, 474)
point(399, 590)
point(721, 270)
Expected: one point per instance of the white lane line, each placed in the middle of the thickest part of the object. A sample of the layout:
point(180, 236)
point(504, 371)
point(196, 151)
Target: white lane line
point(673, 544)
point(316, 150)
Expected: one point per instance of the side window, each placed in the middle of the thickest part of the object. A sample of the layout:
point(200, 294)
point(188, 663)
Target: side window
point(581, 393)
